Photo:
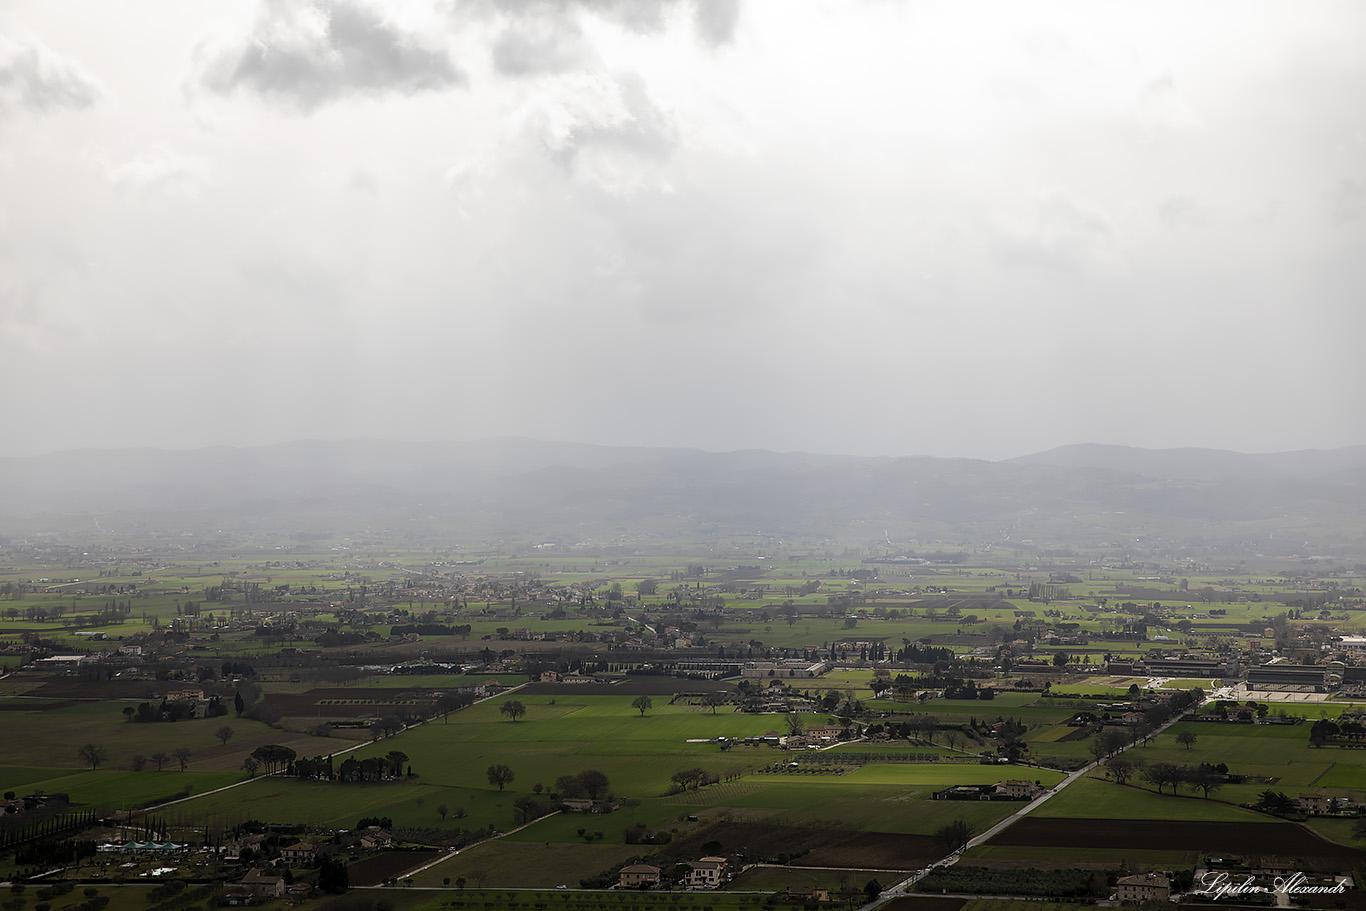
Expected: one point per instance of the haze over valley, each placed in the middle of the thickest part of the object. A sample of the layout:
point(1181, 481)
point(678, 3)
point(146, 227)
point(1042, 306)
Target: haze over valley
point(527, 491)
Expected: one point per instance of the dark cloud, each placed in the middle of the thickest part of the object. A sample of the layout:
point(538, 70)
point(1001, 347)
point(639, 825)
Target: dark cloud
point(308, 55)
point(34, 77)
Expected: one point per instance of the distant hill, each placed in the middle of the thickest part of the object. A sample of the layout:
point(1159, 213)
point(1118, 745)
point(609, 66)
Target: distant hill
point(533, 491)
point(1204, 464)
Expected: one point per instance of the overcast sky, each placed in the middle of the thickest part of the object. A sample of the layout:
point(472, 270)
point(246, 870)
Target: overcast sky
point(958, 228)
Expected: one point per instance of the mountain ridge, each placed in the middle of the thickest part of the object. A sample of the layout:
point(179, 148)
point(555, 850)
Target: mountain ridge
point(518, 488)
point(1195, 463)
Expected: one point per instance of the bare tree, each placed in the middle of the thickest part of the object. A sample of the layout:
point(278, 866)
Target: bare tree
point(955, 835)
point(224, 734)
point(1097, 748)
point(527, 808)
point(182, 755)
point(1205, 778)
point(1161, 774)
point(94, 754)
point(500, 775)
point(1115, 740)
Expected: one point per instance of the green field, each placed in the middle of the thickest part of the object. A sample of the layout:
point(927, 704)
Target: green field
point(638, 754)
point(794, 596)
point(1092, 797)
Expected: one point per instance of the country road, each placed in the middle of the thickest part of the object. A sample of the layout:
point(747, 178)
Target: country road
point(357, 746)
point(906, 886)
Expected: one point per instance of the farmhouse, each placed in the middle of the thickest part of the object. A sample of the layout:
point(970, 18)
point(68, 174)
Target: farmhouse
point(1011, 789)
point(1143, 888)
point(807, 894)
point(1314, 804)
point(707, 872)
point(375, 837)
point(299, 854)
point(255, 885)
point(189, 694)
point(1017, 789)
point(637, 875)
point(825, 733)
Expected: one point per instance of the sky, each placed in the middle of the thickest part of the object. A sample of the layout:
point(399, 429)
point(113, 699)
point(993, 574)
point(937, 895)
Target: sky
point(869, 227)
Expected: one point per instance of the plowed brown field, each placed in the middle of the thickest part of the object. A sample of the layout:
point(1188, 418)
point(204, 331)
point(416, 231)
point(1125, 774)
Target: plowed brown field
point(1282, 839)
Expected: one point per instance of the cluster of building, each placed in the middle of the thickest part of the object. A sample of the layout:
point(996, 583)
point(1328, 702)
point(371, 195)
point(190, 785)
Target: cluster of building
point(1011, 789)
point(703, 873)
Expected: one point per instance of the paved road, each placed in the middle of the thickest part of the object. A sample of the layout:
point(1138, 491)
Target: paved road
point(906, 886)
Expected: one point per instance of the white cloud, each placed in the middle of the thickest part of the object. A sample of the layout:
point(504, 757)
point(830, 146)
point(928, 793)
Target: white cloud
point(1057, 230)
point(163, 172)
point(717, 20)
point(620, 218)
point(535, 47)
point(604, 129)
point(308, 54)
point(1161, 106)
point(538, 37)
point(714, 20)
point(35, 77)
